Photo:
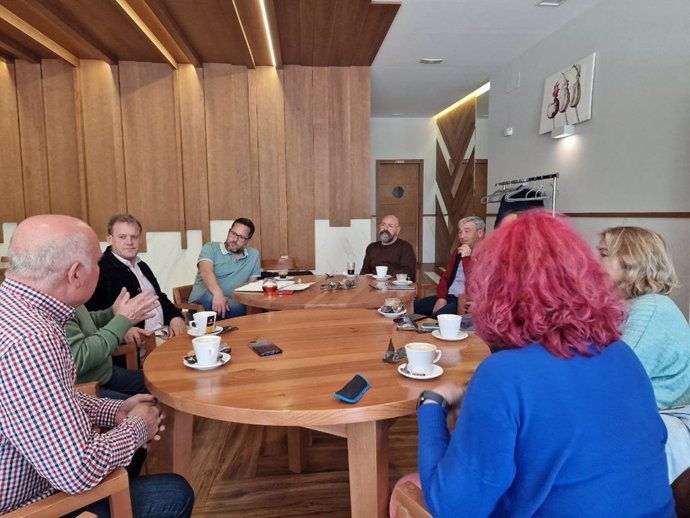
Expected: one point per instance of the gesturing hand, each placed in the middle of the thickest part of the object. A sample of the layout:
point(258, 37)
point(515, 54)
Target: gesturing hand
point(135, 309)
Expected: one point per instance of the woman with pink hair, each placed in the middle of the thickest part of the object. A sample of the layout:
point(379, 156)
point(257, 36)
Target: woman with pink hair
point(561, 419)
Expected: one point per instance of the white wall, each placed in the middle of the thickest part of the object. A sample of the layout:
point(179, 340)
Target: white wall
point(633, 155)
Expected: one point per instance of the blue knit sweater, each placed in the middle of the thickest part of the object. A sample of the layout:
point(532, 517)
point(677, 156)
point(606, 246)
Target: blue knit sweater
point(540, 436)
point(660, 336)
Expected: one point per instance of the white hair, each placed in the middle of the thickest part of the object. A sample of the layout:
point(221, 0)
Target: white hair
point(45, 264)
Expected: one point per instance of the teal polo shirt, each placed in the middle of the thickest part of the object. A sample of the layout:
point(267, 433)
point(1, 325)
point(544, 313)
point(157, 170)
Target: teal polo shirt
point(230, 271)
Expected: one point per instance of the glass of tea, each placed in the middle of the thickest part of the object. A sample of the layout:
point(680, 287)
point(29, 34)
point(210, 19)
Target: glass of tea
point(270, 286)
point(351, 268)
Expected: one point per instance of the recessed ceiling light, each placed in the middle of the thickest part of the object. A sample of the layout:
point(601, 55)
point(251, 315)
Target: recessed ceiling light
point(550, 3)
point(431, 61)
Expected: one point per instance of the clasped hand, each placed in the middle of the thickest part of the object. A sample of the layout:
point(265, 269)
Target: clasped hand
point(145, 407)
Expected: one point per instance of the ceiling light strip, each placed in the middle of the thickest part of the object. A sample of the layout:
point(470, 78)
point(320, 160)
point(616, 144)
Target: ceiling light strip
point(267, 28)
point(479, 91)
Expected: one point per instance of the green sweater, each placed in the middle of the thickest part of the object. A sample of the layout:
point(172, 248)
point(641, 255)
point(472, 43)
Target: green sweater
point(92, 337)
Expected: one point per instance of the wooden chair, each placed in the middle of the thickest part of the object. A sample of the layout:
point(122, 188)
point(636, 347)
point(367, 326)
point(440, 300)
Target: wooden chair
point(181, 301)
point(409, 502)
point(281, 263)
point(131, 352)
point(114, 487)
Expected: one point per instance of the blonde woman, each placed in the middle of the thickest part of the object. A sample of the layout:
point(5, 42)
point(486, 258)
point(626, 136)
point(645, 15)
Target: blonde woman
point(639, 262)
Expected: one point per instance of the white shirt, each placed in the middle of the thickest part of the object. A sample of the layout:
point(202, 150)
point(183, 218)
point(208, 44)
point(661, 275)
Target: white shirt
point(156, 322)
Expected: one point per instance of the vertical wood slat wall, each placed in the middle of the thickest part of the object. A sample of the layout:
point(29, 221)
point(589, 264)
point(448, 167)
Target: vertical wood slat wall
point(179, 148)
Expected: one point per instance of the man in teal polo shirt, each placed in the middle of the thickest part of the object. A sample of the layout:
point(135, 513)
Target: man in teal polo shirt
point(225, 266)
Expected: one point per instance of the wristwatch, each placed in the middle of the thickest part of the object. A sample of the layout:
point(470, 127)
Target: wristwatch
point(432, 396)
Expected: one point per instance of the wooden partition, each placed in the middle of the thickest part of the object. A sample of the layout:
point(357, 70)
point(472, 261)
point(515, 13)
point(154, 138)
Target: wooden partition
point(179, 148)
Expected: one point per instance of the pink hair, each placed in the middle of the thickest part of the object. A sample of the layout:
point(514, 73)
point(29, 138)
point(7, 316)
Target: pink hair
point(536, 280)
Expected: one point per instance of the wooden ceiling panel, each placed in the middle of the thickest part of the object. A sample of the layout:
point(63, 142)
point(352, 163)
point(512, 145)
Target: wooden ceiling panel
point(46, 17)
point(214, 30)
point(379, 20)
point(304, 32)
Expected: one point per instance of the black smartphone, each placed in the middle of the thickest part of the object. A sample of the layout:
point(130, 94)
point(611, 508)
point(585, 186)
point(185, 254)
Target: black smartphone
point(264, 347)
point(353, 389)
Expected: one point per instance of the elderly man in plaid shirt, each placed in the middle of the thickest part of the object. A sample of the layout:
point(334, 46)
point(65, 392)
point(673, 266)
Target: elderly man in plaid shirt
point(46, 438)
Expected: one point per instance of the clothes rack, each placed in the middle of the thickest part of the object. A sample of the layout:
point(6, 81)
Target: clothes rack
point(554, 185)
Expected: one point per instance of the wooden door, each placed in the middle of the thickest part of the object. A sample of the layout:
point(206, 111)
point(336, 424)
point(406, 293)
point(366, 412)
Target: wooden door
point(399, 192)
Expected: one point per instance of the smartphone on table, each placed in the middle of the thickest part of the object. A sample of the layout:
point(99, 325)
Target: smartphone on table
point(264, 347)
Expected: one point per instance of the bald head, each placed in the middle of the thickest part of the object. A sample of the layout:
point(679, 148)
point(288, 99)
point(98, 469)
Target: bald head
point(55, 254)
point(389, 228)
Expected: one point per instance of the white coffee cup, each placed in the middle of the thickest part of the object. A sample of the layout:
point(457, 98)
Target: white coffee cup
point(401, 277)
point(204, 322)
point(206, 349)
point(421, 357)
point(449, 325)
point(381, 271)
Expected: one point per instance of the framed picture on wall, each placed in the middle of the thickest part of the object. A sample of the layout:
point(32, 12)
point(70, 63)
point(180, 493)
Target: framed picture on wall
point(568, 95)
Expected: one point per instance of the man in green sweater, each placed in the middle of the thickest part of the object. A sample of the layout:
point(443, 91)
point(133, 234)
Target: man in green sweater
point(94, 336)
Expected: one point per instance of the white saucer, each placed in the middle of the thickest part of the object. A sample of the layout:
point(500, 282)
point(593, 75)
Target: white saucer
point(461, 336)
point(349, 276)
point(196, 366)
point(392, 315)
point(402, 283)
point(435, 373)
point(288, 278)
point(384, 278)
point(192, 332)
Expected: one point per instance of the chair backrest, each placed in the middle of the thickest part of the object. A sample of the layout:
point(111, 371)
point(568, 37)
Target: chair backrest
point(409, 502)
point(181, 294)
point(114, 487)
point(281, 263)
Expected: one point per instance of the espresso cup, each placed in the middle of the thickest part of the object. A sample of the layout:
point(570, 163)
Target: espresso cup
point(401, 277)
point(206, 349)
point(449, 325)
point(204, 322)
point(282, 274)
point(350, 267)
point(421, 357)
point(381, 271)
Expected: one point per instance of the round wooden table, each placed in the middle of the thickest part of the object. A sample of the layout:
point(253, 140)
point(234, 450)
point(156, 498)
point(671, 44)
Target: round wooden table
point(361, 296)
point(322, 350)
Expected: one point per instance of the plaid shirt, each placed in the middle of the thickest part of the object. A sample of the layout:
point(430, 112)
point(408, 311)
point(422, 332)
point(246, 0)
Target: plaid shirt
point(46, 438)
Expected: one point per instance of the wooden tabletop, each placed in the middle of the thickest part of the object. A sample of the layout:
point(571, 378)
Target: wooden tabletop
point(322, 350)
point(361, 296)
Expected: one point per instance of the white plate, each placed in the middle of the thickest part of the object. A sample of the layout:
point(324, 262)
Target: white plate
point(196, 366)
point(349, 276)
point(392, 315)
point(192, 332)
point(288, 278)
point(461, 336)
point(384, 278)
point(402, 283)
point(435, 373)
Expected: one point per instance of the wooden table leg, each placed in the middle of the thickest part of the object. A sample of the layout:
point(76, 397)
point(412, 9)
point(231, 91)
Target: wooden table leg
point(173, 453)
point(298, 443)
point(367, 450)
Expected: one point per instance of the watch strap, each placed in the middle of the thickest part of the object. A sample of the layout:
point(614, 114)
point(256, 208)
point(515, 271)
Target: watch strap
point(432, 396)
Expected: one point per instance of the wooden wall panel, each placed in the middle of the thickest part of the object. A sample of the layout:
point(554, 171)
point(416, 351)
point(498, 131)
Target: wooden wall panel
point(321, 163)
point(193, 143)
point(150, 144)
point(341, 183)
point(227, 140)
point(271, 155)
point(11, 190)
point(299, 156)
point(65, 164)
point(360, 142)
point(103, 154)
point(32, 137)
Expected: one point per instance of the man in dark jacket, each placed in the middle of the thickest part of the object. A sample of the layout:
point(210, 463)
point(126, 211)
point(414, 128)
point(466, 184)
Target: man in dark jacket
point(120, 267)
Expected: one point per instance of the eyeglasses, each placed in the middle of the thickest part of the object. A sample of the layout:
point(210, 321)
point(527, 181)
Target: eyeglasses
point(239, 237)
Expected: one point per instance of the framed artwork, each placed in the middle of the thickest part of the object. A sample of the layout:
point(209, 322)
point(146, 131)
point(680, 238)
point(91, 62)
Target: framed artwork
point(568, 95)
